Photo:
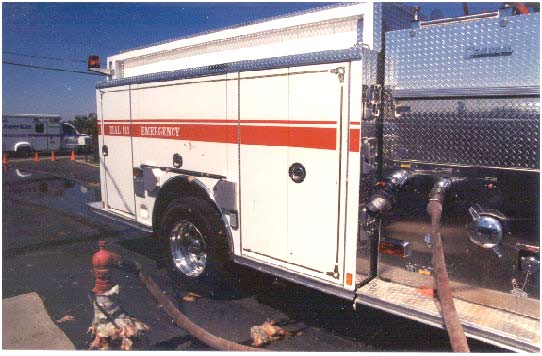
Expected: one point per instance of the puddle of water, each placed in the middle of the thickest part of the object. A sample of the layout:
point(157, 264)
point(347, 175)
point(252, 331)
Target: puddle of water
point(55, 192)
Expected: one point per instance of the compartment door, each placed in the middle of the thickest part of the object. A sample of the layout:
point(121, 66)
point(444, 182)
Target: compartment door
point(117, 161)
point(315, 117)
point(263, 113)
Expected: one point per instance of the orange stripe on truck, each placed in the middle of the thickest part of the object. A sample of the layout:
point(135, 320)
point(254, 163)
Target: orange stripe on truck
point(275, 135)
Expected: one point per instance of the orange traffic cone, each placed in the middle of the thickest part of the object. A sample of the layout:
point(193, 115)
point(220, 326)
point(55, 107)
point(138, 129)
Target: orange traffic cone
point(5, 159)
point(53, 158)
point(73, 155)
point(36, 157)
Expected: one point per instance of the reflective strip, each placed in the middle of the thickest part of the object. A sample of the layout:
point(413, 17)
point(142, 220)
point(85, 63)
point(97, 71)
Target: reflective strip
point(268, 133)
point(354, 140)
point(307, 137)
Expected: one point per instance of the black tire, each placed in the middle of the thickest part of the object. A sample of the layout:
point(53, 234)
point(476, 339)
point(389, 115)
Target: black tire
point(194, 212)
point(24, 151)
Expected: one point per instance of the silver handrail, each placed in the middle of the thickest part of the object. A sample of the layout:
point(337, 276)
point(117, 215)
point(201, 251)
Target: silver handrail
point(459, 19)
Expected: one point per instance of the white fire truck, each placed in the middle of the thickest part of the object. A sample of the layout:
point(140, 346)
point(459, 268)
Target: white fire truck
point(296, 147)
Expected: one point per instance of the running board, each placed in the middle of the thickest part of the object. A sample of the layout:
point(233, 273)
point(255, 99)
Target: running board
point(96, 207)
point(494, 326)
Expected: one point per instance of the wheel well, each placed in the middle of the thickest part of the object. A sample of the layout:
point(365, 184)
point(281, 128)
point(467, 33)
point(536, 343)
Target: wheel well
point(182, 187)
point(20, 145)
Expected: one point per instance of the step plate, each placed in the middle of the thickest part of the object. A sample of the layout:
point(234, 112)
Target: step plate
point(494, 326)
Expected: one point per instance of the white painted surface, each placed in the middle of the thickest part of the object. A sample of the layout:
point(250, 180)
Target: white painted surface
point(23, 130)
point(313, 204)
point(340, 19)
point(291, 225)
point(118, 164)
point(232, 150)
point(264, 172)
point(284, 47)
point(201, 100)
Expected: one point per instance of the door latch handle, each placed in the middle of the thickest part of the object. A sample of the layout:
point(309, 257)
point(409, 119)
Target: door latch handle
point(105, 150)
point(368, 155)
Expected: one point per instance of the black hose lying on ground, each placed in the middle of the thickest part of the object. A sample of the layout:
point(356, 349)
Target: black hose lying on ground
point(180, 319)
point(458, 340)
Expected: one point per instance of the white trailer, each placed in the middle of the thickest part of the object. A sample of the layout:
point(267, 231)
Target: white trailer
point(245, 144)
point(26, 133)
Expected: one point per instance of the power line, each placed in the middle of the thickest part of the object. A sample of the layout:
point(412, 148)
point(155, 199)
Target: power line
point(49, 68)
point(53, 58)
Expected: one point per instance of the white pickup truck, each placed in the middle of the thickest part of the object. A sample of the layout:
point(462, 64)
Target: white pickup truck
point(73, 140)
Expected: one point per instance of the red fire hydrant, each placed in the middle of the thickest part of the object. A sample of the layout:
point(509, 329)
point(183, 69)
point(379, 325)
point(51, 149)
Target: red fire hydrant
point(111, 326)
point(102, 261)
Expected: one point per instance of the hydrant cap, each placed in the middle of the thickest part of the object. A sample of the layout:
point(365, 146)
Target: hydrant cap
point(104, 258)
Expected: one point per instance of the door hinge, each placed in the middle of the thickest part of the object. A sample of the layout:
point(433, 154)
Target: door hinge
point(340, 73)
point(335, 274)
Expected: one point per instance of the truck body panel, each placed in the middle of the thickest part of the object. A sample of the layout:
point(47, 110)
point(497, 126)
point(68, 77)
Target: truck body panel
point(36, 131)
point(290, 126)
point(451, 111)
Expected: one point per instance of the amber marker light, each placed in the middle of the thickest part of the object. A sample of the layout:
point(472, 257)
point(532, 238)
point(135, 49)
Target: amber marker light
point(395, 247)
point(93, 62)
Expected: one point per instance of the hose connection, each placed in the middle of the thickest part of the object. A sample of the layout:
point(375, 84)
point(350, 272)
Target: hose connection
point(385, 198)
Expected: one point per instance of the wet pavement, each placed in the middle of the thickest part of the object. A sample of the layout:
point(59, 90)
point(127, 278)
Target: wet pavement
point(49, 236)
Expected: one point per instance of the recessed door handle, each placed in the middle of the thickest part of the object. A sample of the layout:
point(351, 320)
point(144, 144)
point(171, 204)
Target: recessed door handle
point(297, 172)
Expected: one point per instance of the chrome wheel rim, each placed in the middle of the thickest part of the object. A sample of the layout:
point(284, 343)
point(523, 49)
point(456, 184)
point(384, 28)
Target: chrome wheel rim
point(188, 249)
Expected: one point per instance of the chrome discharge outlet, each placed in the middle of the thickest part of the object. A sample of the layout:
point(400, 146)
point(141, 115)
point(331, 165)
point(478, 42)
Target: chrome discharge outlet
point(486, 229)
point(385, 197)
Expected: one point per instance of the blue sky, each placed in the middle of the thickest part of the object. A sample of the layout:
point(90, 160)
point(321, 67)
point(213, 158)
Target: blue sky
point(72, 31)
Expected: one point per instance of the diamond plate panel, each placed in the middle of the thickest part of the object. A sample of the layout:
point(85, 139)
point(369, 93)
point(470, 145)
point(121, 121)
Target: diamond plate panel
point(370, 69)
point(492, 325)
point(369, 59)
point(500, 133)
point(435, 57)
point(377, 26)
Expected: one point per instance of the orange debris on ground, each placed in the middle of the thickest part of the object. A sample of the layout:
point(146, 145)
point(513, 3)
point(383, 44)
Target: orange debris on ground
point(268, 332)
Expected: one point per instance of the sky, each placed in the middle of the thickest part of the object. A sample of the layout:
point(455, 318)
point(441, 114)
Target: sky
point(70, 32)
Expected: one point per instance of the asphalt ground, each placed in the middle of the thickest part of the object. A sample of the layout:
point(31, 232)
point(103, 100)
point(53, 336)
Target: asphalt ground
point(49, 237)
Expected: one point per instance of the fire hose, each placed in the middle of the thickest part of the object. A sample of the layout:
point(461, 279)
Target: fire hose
point(112, 324)
point(456, 333)
point(182, 320)
point(384, 200)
